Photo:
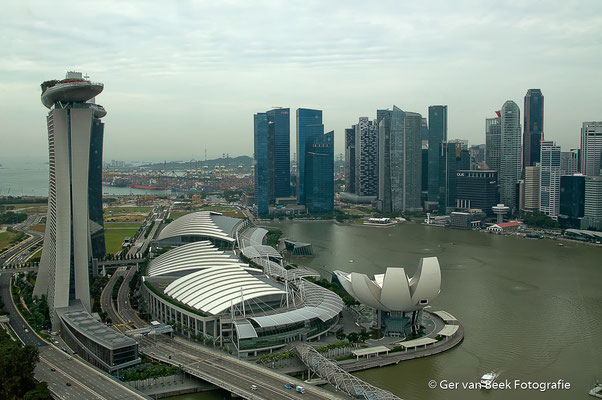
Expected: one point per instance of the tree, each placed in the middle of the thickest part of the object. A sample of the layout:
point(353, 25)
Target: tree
point(17, 364)
point(40, 392)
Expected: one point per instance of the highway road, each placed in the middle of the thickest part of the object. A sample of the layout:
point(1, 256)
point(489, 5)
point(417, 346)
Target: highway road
point(86, 382)
point(107, 304)
point(157, 215)
point(124, 308)
point(228, 372)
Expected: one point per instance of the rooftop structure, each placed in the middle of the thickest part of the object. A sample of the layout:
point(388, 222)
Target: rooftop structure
point(500, 210)
point(216, 289)
point(394, 290)
point(208, 291)
point(191, 257)
point(197, 226)
point(95, 342)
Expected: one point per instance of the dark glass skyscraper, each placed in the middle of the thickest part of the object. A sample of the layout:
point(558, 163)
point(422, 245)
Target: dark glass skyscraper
point(97, 233)
point(437, 131)
point(455, 159)
point(533, 129)
point(272, 157)
point(279, 133)
point(262, 181)
point(319, 173)
point(477, 189)
point(309, 126)
point(572, 195)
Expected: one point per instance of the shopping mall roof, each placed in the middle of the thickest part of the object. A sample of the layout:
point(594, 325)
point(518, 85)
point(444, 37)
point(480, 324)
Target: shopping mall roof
point(202, 223)
point(215, 289)
point(78, 318)
point(191, 257)
point(319, 303)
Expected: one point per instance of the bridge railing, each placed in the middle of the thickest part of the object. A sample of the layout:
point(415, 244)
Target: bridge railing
point(342, 380)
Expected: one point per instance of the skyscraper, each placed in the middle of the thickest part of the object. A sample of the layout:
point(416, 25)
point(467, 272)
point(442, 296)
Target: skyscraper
point(533, 133)
point(493, 142)
point(569, 162)
point(549, 202)
point(510, 166)
point(591, 147)
point(261, 162)
point(74, 196)
point(309, 125)
point(272, 157)
point(572, 196)
point(592, 210)
point(477, 189)
point(319, 173)
point(437, 137)
point(532, 184)
point(279, 132)
point(455, 157)
point(366, 157)
point(350, 160)
point(400, 161)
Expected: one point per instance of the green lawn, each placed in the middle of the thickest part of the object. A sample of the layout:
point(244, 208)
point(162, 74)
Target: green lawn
point(29, 208)
point(178, 214)
point(127, 210)
point(116, 232)
point(5, 239)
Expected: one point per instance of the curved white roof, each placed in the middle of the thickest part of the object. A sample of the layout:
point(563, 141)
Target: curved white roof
point(319, 303)
point(215, 289)
point(202, 223)
point(192, 256)
point(258, 251)
point(252, 236)
point(394, 291)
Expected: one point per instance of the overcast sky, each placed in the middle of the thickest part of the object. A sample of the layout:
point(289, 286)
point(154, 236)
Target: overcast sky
point(183, 78)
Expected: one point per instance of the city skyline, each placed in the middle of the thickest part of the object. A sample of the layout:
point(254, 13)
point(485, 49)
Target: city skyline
point(197, 71)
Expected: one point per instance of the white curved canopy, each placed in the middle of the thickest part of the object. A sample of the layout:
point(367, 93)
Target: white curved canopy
point(202, 223)
point(190, 257)
point(215, 289)
point(395, 291)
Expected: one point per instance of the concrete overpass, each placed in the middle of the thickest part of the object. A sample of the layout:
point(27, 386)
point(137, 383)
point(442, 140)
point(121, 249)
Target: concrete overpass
point(228, 372)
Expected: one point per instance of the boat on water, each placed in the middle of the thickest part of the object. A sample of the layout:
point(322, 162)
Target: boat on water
point(488, 379)
point(596, 391)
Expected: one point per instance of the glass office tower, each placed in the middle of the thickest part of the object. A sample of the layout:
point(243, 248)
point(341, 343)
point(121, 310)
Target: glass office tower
point(309, 125)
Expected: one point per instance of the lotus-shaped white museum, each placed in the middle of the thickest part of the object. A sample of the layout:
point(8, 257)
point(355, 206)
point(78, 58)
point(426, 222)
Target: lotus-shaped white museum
point(394, 291)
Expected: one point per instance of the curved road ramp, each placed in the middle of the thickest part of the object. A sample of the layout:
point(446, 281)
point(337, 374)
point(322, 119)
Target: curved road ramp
point(342, 380)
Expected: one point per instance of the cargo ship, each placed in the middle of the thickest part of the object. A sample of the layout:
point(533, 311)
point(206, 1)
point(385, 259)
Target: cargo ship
point(148, 187)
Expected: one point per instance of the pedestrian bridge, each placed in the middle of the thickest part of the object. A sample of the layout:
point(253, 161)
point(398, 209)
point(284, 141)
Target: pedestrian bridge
point(339, 378)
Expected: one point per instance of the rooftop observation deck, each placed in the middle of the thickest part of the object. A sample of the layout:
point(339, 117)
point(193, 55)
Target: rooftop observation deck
point(71, 91)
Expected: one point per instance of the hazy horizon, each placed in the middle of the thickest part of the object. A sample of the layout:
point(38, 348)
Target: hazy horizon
point(184, 78)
